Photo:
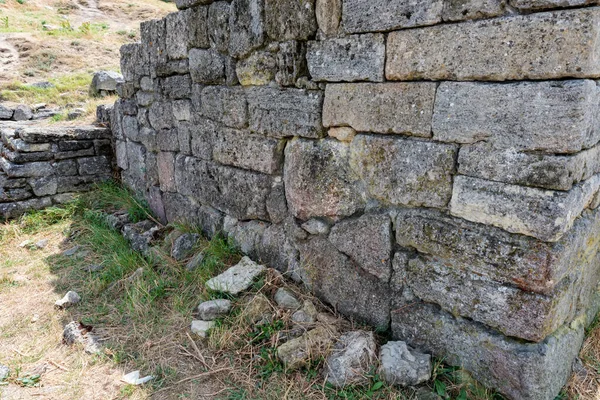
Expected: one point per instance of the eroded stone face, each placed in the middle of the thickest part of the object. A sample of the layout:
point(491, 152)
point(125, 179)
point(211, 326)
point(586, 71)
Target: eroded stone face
point(246, 26)
point(290, 20)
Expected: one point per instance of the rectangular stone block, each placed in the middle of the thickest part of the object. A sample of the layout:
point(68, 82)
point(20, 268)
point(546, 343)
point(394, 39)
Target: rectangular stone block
point(30, 170)
point(241, 194)
point(550, 116)
point(557, 172)
point(246, 27)
point(459, 10)
point(23, 147)
point(166, 171)
point(207, 67)
point(531, 5)
point(386, 15)
point(178, 33)
point(403, 108)
point(197, 21)
point(566, 45)
point(73, 184)
point(177, 86)
point(160, 115)
point(22, 158)
point(153, 38)
point(407, 172)
point(319, 181)
point(283, 113)
point(15, 209)
point(349, 59)
point(49, 134)
point(167, 140)
point(10, 195)
point(244, 150)
point(543, 214)
point(519, 370)
point(290, 20)
point(44, 186)
point(226, 105)
point(94, 166)
point(218, 26)
point(492, 253)
point(203, 134)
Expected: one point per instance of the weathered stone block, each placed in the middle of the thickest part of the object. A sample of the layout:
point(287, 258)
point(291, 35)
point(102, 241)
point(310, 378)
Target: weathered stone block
point(258, 69)
point(566, 46)
point(160, 115)
point(531, 5)
point(328, 14)
point(551, 116)
point(254, 152)
point(15, 209)
point(178, 32)
point(24, 147)
point(144, 99)
point(210, 220)
point(68, 167)
point(207, 66)
point(45, 186)
point(49, 134)
point(30, 170)
point(17, 194)
point(458, 10)
point(177, 86)
point(166, 171)
point(182, 110)
point(285, 112)
point(172, 67)
point(353, 58)
point(518, 369)
point(239, 193)
point(121, 154)
point(153, 38)
point(226, 105)
point(543, 214)
point(75, 184)
point(179, 208)
point(404, 108)
point(387, 15)
point(290, 20)
point(21, 158)
point(368, 242)
point(5, 112)
point(130, 130)
point(167, 140)
point(400, 171)
point(246, 27)
point(94, 166)
point(548, 171)
point(319, 181)
point(337, 280)
point(218, 25)
point(182, 4)
point(203, 134)
point(291, 62)
point(197, 21)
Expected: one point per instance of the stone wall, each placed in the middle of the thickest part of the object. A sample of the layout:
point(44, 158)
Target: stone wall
point(43, 166)
point(430, 167)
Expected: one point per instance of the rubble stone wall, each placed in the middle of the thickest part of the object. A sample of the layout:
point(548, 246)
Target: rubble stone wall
point(429, 167)
point(44, 166)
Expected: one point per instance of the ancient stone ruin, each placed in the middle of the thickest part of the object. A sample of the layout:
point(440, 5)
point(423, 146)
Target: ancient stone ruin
point(429, 167)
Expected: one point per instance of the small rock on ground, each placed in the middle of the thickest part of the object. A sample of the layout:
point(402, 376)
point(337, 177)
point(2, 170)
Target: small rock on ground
point(403, 366)
point(70, 252)
point(40, 244)
point(93, 268)
point(195, 262)
point(201, 328)
point(4, 372)
point(307, 315)
point(237, 278)
point(353, 356)
point(287, 300)
point(298, 353)
point(76, 332)
point(183, 246)
point(258, 309)
point(71, 298)
point(211, 310)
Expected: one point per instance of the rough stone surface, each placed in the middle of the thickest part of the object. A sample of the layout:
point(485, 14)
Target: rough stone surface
point(352, 358)
point(5, 112)
point(530, 5)
point(458, 10)
point(290, 20)
point(328, 14)
point(246, 26)
point(184, 245)
point(207, 66)
point(237, 278)
point(501, 50)
point(387, 15)
point(553, 117)
point(225, 105)
point(258, 69)
point(316, 227)
point(70, 299)
point(318, 180)
point(349, 59)
point(202, 328)
point(247, 151)
point(285, 112)
point(287, 300)
point(105, 81)
point(218, 26)
point(544, 214)
point(211, 310)
point(297, 353)
point(403, 108)
point(22, 113)
point(403, 366)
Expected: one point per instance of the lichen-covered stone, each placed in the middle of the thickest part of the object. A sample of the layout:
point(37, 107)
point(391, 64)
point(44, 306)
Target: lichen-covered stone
point(177, 35)
point(518, 369)
point(226, 105)
point(258, 69)
point(500, 50)
point(546, 215)
point(319, 181)
point(403, 366)
point(290, 20)
point(283, 113)
point(99, 165)
point(207, 66)
point(548, 116)
point(349, 59)
point(367, 241)
point(247, 151)
point(403, 108)
point(246, 26)
point(218, 25)
point(386, 15)
point(237, 278)
point(401, 171)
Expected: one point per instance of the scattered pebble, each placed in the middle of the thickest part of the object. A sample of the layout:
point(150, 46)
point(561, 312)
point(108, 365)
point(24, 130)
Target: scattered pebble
point(287, 300)
point(211, 310)
point(195, 262)
point(237, 278)
point(93, 268)
point(201, 328)
point(68, 300)
point(26, 243)
point(4, 372)
point(41, 243)
point(133, 378)
point(70, 252)
point(307, 315)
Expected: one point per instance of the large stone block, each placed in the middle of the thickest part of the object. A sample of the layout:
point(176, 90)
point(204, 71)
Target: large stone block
point(207, 66)
point(177, 86)
point(197, 21)
point(549, 116)
point(203, 133)
point(29, 170)
point(387, 15)
point(160, 115)
point(237, 192)
point(403, 108)
point(285, 112)
point(254, 152)
point(154, 43)
point(319, 181)
point(337, 280)
point(226, 105)
point(548, 171)
point(48, 134)
point(178, 32)
point(166, 171)
point(495, 254)
point(246, 27)
point(94, 165)
point(329, 15)
point(543, 214)
point(368, 242)
point(566, 45)
point(15, 209)
point(218, 25)
point(458, 10)
point(290, 20)
point(180, 208)
point(258, 69)
point(408, 172)
point(291, 62)
point(349, 59)
point(519, 370)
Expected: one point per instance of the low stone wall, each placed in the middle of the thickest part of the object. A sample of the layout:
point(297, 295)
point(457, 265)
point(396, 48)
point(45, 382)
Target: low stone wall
point(373, 150)
point(42, 166)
